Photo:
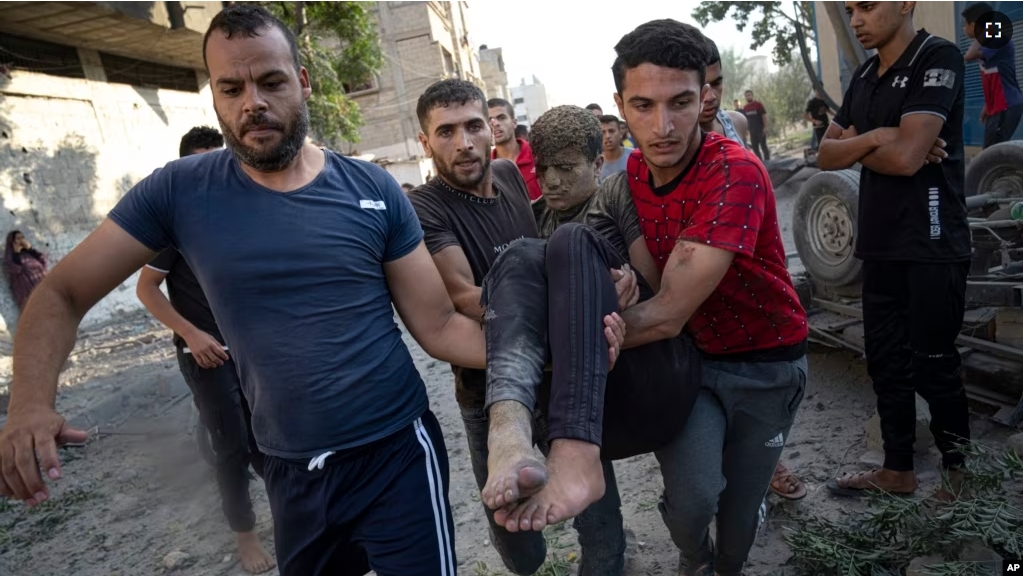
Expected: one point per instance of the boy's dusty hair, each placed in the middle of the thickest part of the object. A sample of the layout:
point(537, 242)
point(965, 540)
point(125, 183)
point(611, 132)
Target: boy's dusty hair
point(563, 131)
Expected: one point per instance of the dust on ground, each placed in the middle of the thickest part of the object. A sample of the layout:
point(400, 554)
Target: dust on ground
point(138, 500)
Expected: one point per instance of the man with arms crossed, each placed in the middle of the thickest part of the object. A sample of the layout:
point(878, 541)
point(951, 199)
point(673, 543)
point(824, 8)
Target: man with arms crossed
point(902, 120)
point(210, 374)
point(338, 408)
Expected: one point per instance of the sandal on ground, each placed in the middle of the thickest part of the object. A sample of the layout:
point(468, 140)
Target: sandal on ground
point(783, 480)
point(859, 484)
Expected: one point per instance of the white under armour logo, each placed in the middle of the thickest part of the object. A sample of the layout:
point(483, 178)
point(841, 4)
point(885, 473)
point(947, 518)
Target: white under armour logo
point(901, 81)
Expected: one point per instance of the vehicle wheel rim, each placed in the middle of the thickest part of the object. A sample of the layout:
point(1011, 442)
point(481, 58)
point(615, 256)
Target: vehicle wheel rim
point(831, 229)
point(1001, 182)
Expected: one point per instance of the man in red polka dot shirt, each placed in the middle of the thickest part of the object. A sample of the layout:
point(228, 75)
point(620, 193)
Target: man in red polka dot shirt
point(707, 211)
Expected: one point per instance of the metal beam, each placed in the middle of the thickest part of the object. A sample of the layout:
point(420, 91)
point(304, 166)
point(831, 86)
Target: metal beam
point(849, 47)
point(995, 348)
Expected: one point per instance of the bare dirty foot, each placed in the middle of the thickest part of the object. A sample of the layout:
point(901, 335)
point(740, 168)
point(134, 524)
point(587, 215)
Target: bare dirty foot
point(576, 481)
point(513, 472)
point(255, 559)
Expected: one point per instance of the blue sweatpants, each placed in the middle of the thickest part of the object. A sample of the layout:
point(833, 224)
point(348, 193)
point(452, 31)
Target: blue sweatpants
point(383, 506)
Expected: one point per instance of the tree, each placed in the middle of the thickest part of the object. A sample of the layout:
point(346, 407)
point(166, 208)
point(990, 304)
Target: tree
point(339, 46)
point(737, 73)
point(770, 20)
point(784, 94)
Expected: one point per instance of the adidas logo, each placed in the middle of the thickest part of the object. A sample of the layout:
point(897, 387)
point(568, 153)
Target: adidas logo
point(777, 442)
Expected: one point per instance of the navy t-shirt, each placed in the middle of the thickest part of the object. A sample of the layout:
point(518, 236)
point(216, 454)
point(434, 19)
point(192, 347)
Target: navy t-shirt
point(297, 286)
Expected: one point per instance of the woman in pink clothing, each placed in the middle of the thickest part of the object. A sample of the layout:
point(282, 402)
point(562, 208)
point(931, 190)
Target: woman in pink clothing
point(26, 266)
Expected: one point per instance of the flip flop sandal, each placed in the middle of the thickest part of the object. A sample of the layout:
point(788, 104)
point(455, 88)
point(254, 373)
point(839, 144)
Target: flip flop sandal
point(834, 487)
point(781, 479)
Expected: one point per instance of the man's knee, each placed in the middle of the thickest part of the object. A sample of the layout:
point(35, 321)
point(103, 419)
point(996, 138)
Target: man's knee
point(524, 250)
point(689, 516)
point(938, 374)
point(571, 233)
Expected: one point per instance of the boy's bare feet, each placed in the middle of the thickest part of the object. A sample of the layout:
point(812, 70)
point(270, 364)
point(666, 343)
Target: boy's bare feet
point(576, 481)
point(255, 559)
point(513, 472)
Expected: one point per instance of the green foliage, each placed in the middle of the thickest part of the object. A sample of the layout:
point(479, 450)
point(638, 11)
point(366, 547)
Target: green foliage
point(339, 46)
point(771, 20)
point(784, 94)
point(737, 73)
point(894, 530)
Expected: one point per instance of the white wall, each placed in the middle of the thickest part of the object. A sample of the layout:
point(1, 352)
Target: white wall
point(70, 148)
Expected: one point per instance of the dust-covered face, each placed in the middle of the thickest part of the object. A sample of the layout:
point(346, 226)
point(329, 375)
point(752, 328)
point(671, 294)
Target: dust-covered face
point(662, 107)
point(875, 23)
point(458, 140)
point(567, 179)
point(259, 97)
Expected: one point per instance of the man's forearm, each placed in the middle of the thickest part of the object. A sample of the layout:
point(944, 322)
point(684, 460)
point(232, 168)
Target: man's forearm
point(460, 341)
point(468, 303)
point(836, 154)
point(648, 322)
point(162, 309)
point(46, 335)
point(893, 159)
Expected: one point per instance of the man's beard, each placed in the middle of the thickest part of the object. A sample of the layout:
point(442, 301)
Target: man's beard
point(278, 157)
point(447, 171)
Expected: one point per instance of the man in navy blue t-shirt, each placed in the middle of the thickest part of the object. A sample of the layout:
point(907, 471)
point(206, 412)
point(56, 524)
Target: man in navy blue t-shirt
point(301, 254)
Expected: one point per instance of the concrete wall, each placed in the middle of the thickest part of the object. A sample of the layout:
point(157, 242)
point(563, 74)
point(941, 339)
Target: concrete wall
point(70, 148)
point(534, 101)
point(492, 70)
point(414, 172)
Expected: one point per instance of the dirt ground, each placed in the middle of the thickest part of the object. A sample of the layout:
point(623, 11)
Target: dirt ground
point(138, 492)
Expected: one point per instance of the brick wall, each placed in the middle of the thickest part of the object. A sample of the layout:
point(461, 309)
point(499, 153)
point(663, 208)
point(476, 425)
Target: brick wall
point(70, 148)
point(412, 37)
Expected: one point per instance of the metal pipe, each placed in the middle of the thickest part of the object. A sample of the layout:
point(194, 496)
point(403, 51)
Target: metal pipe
point(982, 223)
point(977, 201)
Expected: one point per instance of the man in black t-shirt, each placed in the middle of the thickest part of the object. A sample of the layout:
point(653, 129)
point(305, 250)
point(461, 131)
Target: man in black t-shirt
point(902, 119)
point(206, 365)
point(470, 213)
point(817, 114)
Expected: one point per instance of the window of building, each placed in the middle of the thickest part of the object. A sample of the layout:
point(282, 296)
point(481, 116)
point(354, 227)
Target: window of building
point(32, 55)
point(449, 64)
point(372, 84)
point(522, 117)
point(122, 70)
point(517, 101)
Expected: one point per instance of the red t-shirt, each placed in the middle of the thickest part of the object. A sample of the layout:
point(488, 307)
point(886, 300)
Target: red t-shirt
point(725, 199)
point(525, 163)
